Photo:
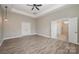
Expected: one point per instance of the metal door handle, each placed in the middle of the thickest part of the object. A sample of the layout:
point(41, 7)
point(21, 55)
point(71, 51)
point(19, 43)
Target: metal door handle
point(76, 32)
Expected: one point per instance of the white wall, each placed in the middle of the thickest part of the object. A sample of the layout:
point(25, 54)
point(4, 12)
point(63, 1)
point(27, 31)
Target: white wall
point(13, 28)
point(43, 27)
point(40, 25)
point(43, 23)
point(1, 25)
point(0, 22)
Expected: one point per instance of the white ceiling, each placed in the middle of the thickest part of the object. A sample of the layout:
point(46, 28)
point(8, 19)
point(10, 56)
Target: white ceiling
point(26, 10)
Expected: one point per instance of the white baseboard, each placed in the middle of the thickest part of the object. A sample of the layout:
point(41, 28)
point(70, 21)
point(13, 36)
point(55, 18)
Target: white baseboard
point(44, 35)
point(26, 35)
point(18, 36)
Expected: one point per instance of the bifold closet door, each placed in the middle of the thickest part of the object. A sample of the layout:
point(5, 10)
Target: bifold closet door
point(54, 30)
point(0, 27)
point(26, 28)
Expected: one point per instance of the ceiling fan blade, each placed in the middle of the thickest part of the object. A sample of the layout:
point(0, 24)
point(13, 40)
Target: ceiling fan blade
point(39, 5)
point(29, 5)
point(33, 8)
point(37, 8)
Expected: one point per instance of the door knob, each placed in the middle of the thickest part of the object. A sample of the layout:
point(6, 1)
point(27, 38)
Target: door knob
point(75, 32)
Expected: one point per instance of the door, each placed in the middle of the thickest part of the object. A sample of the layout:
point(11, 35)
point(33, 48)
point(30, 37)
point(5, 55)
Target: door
point(54, 31)
point(26, 28)
point(0, 28)
point(73, 30)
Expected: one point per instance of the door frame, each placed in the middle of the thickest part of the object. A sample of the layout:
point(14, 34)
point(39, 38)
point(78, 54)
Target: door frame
point(63, 19)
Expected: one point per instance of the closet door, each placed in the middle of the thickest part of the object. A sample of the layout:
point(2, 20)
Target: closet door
point(73, 30)
point(0, 27)
point(54, 30)
point(26, 28)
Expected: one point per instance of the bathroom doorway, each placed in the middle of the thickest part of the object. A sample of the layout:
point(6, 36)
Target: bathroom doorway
point(59, 30)
point(63, 30)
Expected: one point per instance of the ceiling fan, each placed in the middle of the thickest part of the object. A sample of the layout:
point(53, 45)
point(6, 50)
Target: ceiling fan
point(35, 6)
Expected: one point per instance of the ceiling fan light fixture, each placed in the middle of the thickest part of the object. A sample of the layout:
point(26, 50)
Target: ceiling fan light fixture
point(5, 19)
point(34, 13)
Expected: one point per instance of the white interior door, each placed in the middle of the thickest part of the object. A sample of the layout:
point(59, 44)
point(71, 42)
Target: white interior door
point(73, 30)
point(54, 29)
point(0, 28)
point(26, 28)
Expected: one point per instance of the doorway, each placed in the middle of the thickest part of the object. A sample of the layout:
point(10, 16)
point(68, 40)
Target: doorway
point(63, 30)
point(59, 30)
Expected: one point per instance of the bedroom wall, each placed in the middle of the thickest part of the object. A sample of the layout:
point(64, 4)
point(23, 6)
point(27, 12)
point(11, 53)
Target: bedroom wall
point(12, 28)
point(43, 23)
point(1, 25)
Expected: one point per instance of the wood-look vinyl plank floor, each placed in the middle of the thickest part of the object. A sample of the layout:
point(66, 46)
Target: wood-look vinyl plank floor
point(37, 45)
